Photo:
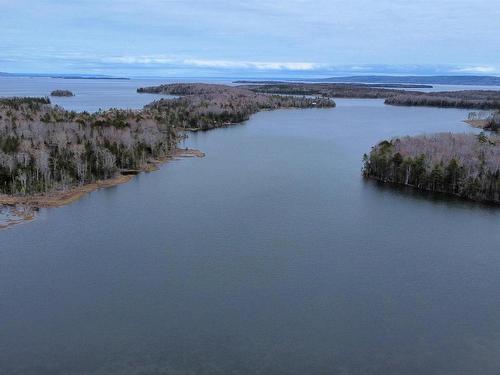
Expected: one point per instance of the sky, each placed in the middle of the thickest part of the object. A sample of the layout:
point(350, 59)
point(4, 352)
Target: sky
point(233, 38)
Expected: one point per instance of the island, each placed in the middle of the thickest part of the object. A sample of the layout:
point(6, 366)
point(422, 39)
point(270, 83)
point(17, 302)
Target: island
point(463, 165)
point(61, 93)
point(50, 156)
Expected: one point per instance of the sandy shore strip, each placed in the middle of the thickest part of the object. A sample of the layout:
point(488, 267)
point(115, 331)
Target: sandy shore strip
point(61, 198)
point(23, 207)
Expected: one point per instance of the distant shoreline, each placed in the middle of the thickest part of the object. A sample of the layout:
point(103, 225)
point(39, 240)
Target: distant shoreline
point(60, 76)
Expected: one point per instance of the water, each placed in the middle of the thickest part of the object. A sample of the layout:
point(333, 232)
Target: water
point(90, 94)
point(271, 255)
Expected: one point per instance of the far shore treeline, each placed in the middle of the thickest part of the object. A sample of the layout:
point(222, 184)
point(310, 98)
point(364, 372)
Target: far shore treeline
point(469, 99)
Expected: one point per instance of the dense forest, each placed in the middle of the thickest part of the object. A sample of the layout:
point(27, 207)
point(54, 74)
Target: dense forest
point(207, 106)
point(330, 90)
point(376, 85)
point(43, 147)
point(464, 165)
point(473, 99)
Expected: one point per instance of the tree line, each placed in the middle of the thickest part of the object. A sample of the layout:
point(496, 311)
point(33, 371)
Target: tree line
point(207, 106)
point(44, 147)
point(473, 99)
point(464, 165)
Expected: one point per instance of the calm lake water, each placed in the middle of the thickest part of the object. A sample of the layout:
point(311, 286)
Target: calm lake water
point(271, 255)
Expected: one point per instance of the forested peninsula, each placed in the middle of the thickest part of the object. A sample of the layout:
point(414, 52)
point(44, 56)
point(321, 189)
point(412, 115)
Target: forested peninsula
point(208, 106)
point(46, 150)
point(464, 165)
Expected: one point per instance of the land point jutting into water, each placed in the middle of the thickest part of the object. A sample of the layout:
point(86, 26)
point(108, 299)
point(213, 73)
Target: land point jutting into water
point(464, 165)
point(50, 156)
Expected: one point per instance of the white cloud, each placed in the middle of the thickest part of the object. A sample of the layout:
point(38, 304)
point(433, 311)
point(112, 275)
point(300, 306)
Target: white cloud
point(161, 60)
point(139, 60)
point(476, 69)
point(259, 65)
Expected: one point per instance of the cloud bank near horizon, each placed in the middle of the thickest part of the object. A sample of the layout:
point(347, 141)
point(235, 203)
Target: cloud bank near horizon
point(260, 38)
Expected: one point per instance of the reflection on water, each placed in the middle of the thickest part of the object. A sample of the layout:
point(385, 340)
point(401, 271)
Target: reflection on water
point(15, 214)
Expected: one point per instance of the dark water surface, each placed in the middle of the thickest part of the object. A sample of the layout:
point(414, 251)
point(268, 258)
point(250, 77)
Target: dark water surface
point(271, 255)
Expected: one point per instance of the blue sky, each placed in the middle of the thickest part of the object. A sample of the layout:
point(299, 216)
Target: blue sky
point(250, 38)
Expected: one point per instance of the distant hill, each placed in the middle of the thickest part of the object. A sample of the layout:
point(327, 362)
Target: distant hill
point(63, 76)
point(341, 84)
point(437, 80)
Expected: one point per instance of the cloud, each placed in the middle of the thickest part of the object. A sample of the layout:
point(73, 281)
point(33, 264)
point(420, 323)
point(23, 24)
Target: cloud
point(74, 61)
point(212, 64)
point(477, 69)
point(138, 60)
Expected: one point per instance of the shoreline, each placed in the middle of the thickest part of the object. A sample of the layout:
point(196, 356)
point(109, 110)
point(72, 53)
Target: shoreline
point(479, 124)
point(419, 190)
point(24, 207)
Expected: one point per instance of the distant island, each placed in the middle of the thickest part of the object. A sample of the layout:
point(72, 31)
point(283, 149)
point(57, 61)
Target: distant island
point(62, 76)
point(66, 93)
point(464, 165)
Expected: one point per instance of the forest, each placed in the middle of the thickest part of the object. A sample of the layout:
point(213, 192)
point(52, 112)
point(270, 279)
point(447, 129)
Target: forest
point(376, 85)
point(206, 106)
point(464, 165)
point(45, 148)
point(66, 93)
point(330, 90)
point(470, 99)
